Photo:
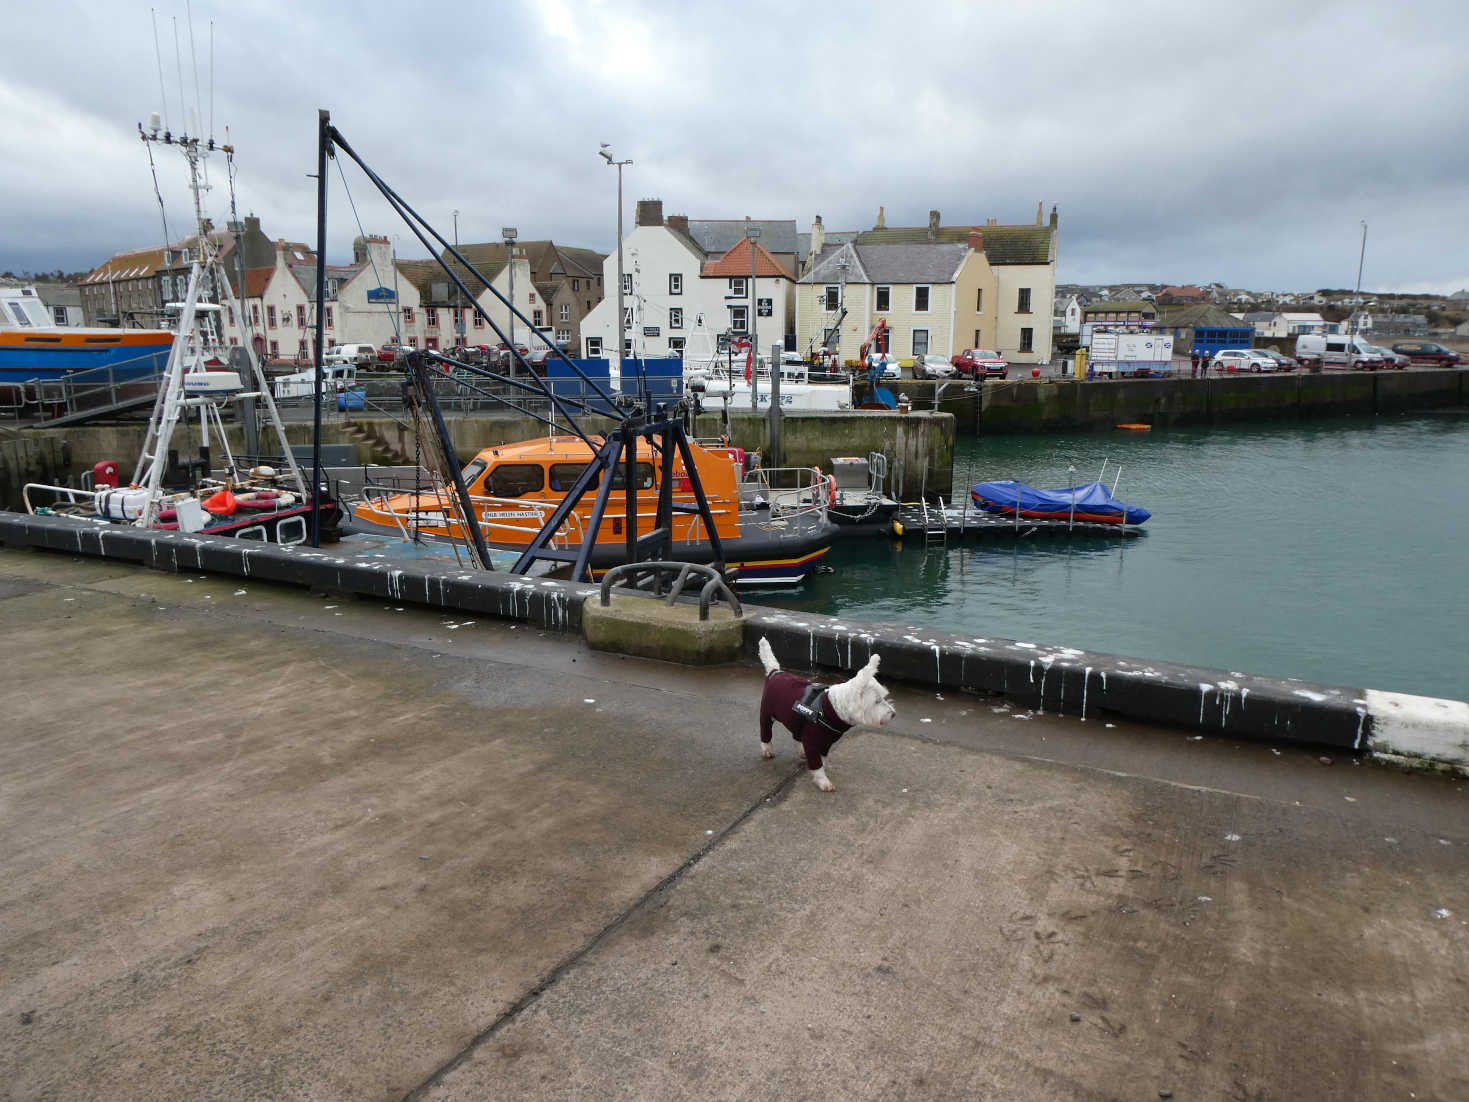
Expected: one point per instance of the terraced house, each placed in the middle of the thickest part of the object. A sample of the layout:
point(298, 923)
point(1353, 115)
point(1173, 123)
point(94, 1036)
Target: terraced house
point(940, 289)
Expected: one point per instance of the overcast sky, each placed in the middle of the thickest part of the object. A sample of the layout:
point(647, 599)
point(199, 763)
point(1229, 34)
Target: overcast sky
point(1243, 142)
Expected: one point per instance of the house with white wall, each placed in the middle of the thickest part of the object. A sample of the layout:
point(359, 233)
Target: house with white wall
point(677, 299)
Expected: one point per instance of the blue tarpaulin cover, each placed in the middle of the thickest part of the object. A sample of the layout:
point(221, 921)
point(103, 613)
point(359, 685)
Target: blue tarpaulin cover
point(1092, 502)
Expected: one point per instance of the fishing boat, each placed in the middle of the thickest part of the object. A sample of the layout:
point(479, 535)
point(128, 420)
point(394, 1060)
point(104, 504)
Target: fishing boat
point(262, 502)
point(1091, 503)
point(768, 538)
point(33, 349)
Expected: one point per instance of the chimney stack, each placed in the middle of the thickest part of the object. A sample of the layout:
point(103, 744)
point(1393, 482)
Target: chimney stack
point(933, 225)
point(818, 237)
point(976, 240)
point(882, 221)
point(649, 213)
point(678, 222)
point(1053, 216)
point(1040, 213)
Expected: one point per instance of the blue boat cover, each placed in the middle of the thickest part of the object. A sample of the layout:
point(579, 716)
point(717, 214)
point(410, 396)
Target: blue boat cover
point(1092, 498)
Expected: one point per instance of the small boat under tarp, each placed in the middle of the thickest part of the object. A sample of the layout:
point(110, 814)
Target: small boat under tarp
point(1091, 503)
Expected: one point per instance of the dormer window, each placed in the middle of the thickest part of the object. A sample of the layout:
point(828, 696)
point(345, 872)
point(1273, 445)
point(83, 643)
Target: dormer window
point(737, 287)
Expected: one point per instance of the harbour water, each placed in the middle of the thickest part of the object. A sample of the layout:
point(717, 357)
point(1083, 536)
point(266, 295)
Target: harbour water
point(1328, 551)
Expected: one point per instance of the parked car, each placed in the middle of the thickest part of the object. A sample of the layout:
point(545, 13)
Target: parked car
point(982, 363)
point(390, 352)
point(1426, 352)
point(931, 366)
point(359, 354)
point(1395, 360)
point(891, 369)
point(1282, 361)
point(1240, 360)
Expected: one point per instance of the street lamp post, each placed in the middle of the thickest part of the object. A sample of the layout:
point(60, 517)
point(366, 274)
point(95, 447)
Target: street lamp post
point(1352, 324)
point(621, 317)
point(508, 235)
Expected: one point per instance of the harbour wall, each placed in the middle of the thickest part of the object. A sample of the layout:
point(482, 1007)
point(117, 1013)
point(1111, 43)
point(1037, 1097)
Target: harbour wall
point(920, 446)
point(1090, 685)
point(1069, 405)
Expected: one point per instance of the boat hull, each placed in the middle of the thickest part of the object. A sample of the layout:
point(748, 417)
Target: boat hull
point(28, 355)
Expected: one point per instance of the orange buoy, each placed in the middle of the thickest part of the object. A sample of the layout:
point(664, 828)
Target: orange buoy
point(1136, 428)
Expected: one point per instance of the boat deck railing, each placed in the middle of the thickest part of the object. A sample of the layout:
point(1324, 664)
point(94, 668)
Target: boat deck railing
point(790, 491)
point(91, 393)
point(64, 499)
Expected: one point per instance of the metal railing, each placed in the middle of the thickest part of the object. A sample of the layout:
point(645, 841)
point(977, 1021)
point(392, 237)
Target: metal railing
point(789, 491)
point(667, 580)
point(96, 389)
point(65, 499)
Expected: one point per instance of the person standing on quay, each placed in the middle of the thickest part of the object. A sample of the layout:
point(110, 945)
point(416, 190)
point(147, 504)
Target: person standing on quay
point(1194, 359)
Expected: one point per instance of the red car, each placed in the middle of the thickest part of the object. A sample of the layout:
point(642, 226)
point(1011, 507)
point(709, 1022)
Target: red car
point(982, 363)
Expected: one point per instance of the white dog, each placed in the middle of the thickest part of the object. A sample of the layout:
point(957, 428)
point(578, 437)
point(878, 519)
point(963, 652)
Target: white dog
point(817, 715)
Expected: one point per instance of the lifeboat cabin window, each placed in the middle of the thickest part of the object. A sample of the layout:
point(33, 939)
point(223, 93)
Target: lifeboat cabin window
point(564, 476)
point(470, 473)
point(645, 476)
point(515, 479)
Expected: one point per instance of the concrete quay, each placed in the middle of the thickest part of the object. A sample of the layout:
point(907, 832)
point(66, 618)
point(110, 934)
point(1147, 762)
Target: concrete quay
point(265, 842)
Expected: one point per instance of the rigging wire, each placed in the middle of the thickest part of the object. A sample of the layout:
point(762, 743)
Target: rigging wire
point(392, 320)
point(178, 58)
point(162, 212)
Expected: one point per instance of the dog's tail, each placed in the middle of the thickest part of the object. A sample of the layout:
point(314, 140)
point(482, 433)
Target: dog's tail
point(767, 657)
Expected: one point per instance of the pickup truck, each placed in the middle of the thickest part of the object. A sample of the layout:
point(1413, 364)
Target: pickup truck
point(982, 363)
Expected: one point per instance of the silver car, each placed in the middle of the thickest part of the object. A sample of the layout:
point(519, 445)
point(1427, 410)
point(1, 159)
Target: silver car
point(931, 366)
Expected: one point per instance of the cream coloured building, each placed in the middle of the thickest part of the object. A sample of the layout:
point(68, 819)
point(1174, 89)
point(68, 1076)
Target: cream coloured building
point(995, 291)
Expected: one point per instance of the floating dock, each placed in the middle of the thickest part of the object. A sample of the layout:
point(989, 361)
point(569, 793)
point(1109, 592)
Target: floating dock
point(942, 522)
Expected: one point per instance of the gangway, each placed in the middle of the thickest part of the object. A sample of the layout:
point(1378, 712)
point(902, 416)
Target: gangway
point(95, 394)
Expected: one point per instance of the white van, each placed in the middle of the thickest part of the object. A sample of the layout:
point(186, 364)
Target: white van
point(359, 354)
point(1336, 350)
point(334, 377)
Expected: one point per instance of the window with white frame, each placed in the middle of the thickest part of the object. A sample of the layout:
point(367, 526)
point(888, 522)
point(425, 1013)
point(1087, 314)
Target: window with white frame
point(884, 299)
point(576, 285)
point(565, 311)
point(408, 315)
point(675, 283)
point(270, 317)
point(627, 349)
point(538, 318)
point(920, 342)
point(412, 342)
point(431, 316)
point(737, 287)
point(920, 299)
point(301, 314)
point(833, 298)
point(1022, 304)
point(676, 346)
point(479, 319)
point(627, 283)
point(275, 350)
point(739, 318)
point(327, 311)
point(675, 317)
point(563, 335)
point(627, 317)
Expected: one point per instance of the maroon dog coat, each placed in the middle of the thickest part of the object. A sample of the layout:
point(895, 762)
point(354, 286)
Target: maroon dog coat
point(783, 692)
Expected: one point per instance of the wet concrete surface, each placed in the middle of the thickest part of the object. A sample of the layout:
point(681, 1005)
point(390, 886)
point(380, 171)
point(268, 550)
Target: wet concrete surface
point(265, 843)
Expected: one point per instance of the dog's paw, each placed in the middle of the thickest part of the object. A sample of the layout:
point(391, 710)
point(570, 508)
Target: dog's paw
point(766, 751)
point(822, 781)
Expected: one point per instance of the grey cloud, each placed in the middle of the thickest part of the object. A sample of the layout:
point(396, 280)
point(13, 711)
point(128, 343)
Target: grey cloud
point(1243, 144)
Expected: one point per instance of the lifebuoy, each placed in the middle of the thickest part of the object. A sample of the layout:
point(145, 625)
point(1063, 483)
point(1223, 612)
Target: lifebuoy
point(831, 483)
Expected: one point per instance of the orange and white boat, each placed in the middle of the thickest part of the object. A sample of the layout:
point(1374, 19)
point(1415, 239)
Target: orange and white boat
point(773, 528)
